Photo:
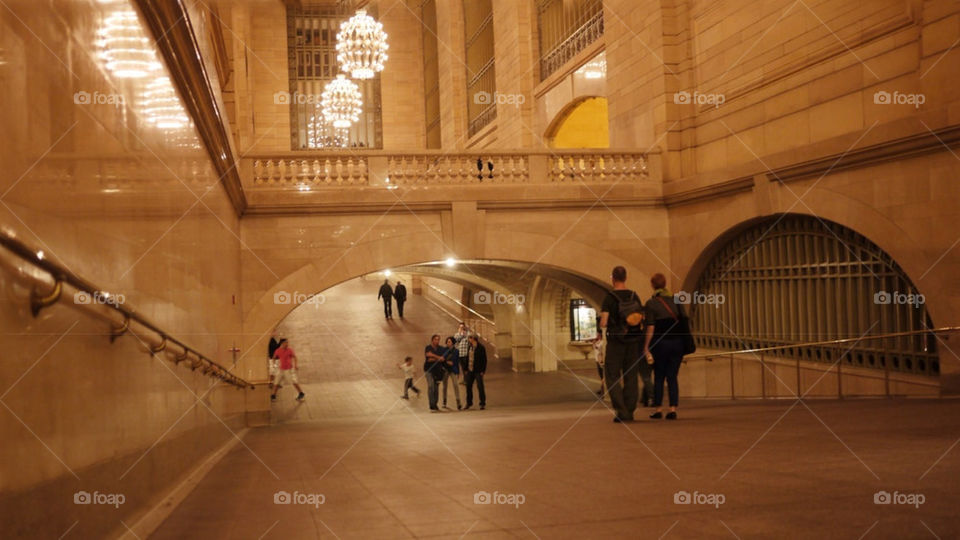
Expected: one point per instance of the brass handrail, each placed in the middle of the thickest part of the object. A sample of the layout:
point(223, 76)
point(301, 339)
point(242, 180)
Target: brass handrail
point(61, 275)
point(828, 342)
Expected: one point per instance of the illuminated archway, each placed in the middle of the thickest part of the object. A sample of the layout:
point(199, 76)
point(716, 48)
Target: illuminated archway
point(582, 124)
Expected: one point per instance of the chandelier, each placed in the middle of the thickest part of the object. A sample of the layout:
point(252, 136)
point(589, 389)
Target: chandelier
point(340, 102)
point(161, 105)
point(322, 135)
point(124, 48)
point(361, 46)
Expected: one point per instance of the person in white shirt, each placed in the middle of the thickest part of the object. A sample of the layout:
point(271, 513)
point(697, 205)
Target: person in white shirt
point(408, 372)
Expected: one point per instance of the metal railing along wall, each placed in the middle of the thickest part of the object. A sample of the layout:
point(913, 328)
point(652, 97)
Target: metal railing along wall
point(484, 327)
point(841, 347)
point(56, 277)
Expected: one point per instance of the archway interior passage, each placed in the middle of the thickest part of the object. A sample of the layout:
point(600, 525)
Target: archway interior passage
point(792, 279)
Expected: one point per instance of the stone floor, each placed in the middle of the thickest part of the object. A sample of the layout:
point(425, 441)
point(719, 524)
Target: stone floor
point(546, 448)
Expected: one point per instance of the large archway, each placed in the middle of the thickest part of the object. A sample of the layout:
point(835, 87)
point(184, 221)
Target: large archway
point(793, 278)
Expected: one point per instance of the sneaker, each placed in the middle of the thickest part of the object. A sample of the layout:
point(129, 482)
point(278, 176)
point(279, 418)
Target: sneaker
point(656, 416)
point(301, 396)
point(459, 407)
point(273, 398)
point(404, 397)
point(482, 407)
point(672, 415)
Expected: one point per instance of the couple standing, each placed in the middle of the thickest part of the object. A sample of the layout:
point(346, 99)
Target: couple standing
point(656, 327)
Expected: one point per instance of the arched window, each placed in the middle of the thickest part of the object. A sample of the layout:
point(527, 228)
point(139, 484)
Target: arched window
point(798, 279)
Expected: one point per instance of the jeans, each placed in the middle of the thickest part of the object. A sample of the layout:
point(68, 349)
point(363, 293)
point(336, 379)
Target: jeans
point(667, 357)
point(450, 376)
point(620, 374)
point(470, 377)
point(408, 385)
point(431, 389)
point(387, 307)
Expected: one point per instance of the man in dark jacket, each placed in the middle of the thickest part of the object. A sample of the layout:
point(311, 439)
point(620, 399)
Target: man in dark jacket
point(386, 293)
point(271, 364)
point(476, 367)
point(400, 293)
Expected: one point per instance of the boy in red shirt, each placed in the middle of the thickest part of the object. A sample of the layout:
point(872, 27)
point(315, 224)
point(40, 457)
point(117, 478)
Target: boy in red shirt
point(288, 369)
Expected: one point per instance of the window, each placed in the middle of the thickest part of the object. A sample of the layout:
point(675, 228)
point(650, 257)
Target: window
point(566, 27)
point(583, 321)
point(312, 58)
point(796, 279)
point(481, 72)
point(431, 72)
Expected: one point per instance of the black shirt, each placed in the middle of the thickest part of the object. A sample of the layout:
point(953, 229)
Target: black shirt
point(611, 306)
point(434, 366)
point(272, 347)
point(400, 293)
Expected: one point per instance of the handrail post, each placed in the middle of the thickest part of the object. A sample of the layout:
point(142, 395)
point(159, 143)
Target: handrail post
point(886, 378)
point(763, 378)
point(733, 394)
point(839, 374)
point(799, 392)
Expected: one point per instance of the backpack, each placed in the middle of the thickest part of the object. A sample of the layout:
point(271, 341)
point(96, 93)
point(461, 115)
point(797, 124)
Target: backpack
point(630, 316)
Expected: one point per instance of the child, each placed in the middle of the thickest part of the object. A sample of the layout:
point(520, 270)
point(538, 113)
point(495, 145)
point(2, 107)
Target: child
point(408, 371)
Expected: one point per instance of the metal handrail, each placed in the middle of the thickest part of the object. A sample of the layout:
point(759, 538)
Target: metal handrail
point(461, 304)
point(61, 275)
point(829, 342)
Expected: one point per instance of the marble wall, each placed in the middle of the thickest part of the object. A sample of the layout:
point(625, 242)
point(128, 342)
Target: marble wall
point(97, 181)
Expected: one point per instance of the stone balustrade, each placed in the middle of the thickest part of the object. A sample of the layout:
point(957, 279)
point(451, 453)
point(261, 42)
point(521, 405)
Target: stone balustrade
point(353, 167)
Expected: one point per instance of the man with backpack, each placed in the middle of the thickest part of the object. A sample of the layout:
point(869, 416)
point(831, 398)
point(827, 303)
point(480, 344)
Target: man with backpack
point(622, 317)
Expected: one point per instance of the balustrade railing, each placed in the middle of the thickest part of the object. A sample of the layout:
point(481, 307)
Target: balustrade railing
point(427, 168)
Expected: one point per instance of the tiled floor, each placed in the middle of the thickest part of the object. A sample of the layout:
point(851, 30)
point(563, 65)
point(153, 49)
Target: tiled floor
point(389, 469)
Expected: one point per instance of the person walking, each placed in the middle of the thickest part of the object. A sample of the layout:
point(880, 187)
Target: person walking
point(400, 294)
point(451, 371)
point(598, 357)
point(476, 367)
point(287, 361)
point(433, 369)
point(663, 345)
point(621, 316)
point(408, 373)
point(386, 293)
point(272, 369)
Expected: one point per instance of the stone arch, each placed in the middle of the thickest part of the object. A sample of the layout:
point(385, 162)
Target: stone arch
point(578, 259)
point(565, 113)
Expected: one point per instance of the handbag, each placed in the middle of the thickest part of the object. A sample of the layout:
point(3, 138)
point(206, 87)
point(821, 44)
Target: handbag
point(681, 328)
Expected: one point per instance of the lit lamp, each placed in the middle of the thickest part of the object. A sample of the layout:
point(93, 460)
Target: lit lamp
point(361, 46)
point(124, 48)
point(341, 102)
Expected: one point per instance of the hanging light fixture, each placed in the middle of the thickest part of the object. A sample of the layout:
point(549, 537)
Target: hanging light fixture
point(319, 133)
point(161, 105)
point(341, 102)
point(124, 48)
point(361, 46)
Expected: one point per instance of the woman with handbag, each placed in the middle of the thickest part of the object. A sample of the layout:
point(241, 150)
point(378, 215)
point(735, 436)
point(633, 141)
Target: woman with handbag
point(667, 340)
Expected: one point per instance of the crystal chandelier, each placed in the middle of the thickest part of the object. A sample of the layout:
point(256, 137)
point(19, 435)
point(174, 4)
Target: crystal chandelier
point(161, 105)
point(361, 46)
point(124, 48)
point(341, 102)
point(319, 134)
